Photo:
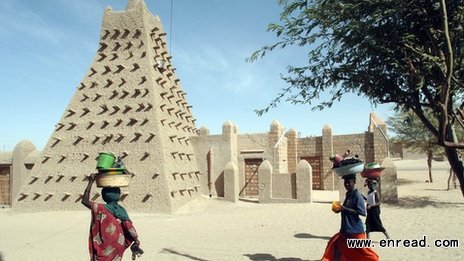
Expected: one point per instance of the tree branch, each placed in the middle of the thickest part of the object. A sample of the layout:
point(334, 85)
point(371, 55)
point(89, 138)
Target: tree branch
point(426, 122)
point(445, 88)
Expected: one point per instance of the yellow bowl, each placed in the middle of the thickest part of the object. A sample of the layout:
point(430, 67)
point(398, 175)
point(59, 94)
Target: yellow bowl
point(111, 180)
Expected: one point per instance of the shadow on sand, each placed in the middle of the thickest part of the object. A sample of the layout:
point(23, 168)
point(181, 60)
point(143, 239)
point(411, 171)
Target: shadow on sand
point(306, 235)
point(174, 252)
point(411, 202)
point(405, 181)
point(269, 257)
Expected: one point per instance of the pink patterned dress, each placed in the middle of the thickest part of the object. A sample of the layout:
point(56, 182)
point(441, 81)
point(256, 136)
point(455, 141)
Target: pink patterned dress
point(109, 236)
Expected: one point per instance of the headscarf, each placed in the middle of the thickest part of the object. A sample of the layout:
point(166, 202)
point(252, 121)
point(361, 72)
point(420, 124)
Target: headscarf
point(373, 183)
point(111, 197)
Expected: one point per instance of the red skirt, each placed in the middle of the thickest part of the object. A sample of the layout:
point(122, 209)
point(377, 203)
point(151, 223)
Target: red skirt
point(109, 237)
point(337, 249)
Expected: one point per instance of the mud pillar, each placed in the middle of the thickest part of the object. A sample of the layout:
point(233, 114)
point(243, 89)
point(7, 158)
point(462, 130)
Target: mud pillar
point(230, 132)
point(388, 182)
point(329, 181)
point(292, 150)
point(19, 174)
point(380, 140)
point(278, 146)
point(265, 182)
point(231, 186)
point(304, 188)
point(227, 153)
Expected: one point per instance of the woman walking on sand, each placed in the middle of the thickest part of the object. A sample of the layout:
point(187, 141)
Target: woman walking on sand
point(373, 221)
point(351, 228)
point(111, 230)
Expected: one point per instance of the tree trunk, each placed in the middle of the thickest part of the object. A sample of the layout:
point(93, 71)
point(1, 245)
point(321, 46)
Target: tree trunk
point(449, 179)
point(429, 163)
point(456, 165)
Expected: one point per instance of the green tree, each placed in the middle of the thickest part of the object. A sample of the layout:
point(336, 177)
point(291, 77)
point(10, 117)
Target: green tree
point(408, 53)
point(410, 133)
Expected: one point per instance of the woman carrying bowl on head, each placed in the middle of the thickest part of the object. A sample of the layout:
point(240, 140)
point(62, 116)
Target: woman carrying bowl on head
point(373, 222)
point(111, 230)
point(351, 226)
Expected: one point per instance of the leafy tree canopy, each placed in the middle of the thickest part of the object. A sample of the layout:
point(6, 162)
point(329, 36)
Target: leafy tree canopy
point(389, 51)
point(410, 132)
point(405, 52)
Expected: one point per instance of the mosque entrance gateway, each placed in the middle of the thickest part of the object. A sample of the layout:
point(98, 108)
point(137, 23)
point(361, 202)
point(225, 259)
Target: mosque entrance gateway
point(251, 177)
point(315, 162)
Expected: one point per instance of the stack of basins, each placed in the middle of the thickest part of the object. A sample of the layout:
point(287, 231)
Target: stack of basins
point(111, 173)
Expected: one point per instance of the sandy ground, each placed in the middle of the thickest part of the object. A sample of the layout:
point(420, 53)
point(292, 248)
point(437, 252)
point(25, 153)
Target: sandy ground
point(212, 229)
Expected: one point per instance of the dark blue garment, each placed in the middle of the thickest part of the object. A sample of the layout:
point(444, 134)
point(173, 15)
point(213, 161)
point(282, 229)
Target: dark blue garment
point(351, 223)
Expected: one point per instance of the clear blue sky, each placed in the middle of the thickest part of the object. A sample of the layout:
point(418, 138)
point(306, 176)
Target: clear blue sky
point(47, 47)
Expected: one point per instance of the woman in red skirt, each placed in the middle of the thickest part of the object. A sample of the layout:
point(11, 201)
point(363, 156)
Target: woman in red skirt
point(111, 230)
point(351, 228)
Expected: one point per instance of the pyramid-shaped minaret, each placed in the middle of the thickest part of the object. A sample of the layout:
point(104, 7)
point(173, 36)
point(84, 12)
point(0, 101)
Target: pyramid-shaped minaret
point(129, 103)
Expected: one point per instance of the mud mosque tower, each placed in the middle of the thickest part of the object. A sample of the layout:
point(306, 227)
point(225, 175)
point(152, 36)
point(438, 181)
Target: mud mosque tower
point(130, 103)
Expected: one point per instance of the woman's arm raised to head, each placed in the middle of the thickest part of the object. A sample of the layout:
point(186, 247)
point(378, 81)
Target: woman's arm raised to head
point(86, 196)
